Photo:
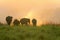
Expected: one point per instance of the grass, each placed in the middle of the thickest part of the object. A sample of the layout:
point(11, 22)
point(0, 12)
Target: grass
point(44, 32)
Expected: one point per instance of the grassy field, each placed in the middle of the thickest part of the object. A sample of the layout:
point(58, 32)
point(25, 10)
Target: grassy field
point(45, 32)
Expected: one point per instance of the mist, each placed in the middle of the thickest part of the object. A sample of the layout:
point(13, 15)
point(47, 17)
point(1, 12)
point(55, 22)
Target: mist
point(43, 10)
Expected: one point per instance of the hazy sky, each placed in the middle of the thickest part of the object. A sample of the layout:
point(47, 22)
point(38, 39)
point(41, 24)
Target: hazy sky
point(42, 10)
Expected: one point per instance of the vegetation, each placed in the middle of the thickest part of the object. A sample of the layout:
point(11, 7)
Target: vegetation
point(44, 32)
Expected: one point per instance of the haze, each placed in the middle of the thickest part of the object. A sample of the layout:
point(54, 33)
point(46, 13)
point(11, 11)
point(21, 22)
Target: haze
point(43, 10)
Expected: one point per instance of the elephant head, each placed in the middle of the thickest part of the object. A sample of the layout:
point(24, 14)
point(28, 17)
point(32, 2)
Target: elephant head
point(34, 22)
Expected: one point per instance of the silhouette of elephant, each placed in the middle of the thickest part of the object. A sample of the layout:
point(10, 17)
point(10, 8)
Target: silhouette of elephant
point(9, 19)
point(34, 22)
point(25, 21)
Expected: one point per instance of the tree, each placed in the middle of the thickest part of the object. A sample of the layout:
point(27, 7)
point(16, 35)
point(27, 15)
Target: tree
point(16, 22)
point(34, 22)
point(9, 19)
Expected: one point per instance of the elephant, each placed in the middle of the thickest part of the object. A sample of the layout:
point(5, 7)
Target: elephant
point(34, 22)
point(16, 22)
point(25, 21)
point(9, 19)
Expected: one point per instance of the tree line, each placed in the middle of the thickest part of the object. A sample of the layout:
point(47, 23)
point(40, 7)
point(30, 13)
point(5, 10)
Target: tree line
point(23, 21)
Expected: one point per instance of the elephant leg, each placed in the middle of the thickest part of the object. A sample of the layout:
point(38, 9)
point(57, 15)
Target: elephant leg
point(26, 24)
point(22, 24)
point(34, 24)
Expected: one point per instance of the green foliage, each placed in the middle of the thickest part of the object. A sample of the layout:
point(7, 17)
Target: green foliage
point(47, 32)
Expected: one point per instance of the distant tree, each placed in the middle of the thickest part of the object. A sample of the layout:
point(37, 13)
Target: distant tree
point(9, 19)
point(25, 21)
point(34, 22)
point(16, 22)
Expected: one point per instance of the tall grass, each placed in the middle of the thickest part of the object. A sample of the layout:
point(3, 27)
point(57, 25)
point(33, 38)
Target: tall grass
point(44, 32)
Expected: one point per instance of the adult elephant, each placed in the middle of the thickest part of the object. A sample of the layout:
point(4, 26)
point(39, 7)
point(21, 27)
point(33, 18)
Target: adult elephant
point(34, 22)
point(25, 21)
point(9, 19)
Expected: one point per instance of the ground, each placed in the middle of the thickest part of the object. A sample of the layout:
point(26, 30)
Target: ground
point(44, 32)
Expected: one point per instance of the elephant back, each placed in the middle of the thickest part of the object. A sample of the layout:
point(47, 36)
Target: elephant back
point(25, 21)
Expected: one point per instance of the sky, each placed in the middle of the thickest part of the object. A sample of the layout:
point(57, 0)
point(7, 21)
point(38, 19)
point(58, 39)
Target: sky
point(43, 10)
